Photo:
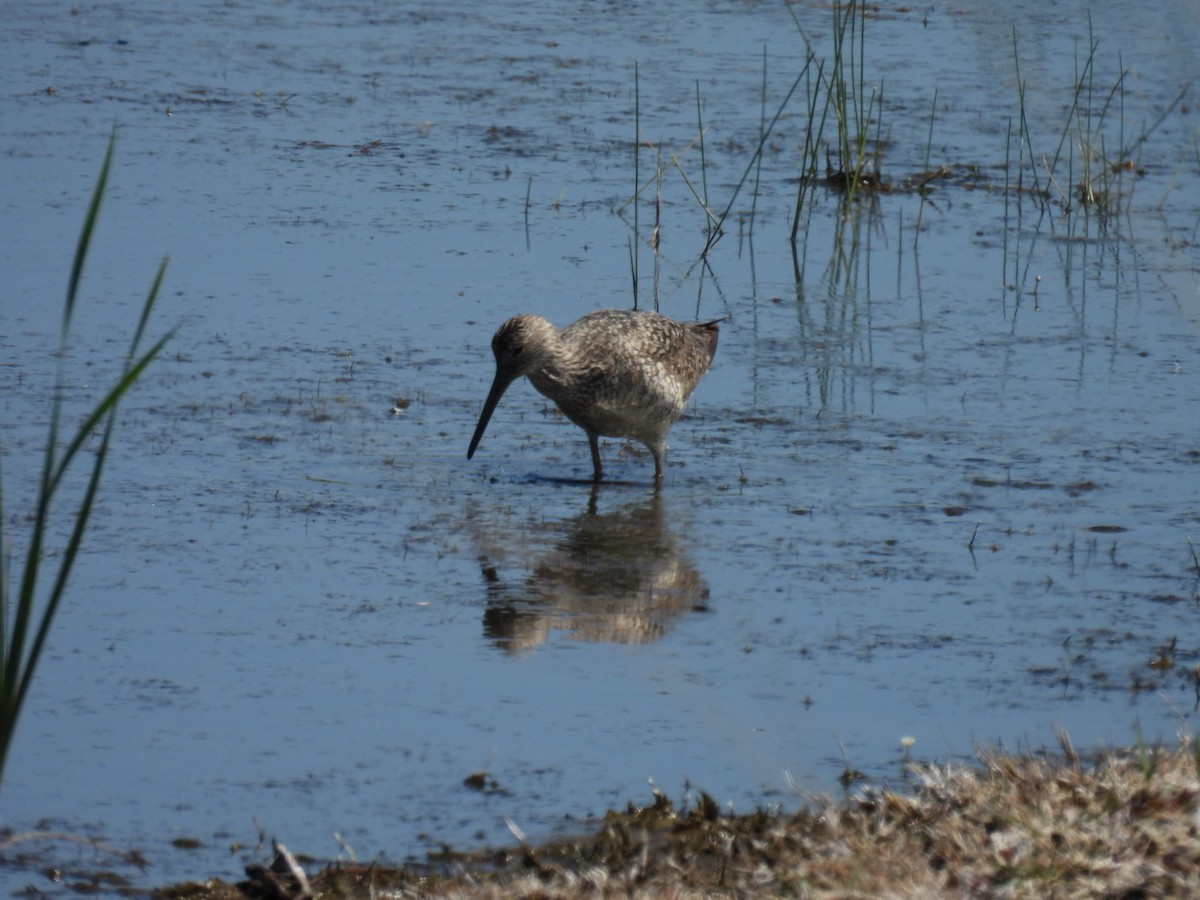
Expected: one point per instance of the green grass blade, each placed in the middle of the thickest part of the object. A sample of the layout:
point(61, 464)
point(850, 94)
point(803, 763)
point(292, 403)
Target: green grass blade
point(4, 561)
point(1127, 151)
point(762, 139)
point(151, 298)
point(15, 641)
point(710, 219)
point(1024, 135)
point(17, 664)
point(757, 153)
point(130, 375)
point(106, 406)
point(635, 247)
point(703, 166)
point(85, 238)
point(66, 564)
point(106, 411)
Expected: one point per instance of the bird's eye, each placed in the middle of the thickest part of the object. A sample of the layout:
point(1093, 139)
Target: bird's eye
point(517, 351)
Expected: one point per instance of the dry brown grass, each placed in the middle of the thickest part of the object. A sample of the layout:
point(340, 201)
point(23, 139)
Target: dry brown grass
point(1124, 826)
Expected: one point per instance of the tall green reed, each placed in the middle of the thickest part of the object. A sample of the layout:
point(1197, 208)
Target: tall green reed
point(764, 136)
point(1093, 144)
point(852, 108)
point(637, 176)
point(25, 620)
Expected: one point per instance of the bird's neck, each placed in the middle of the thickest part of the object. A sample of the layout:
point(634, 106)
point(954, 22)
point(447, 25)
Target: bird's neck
point(559, 368)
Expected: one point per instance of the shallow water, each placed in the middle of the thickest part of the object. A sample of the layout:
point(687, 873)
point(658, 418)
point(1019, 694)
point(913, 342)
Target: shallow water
point(939, 487)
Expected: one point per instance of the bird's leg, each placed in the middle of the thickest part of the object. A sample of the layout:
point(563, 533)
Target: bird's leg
point(657, 452)
point(594, 443)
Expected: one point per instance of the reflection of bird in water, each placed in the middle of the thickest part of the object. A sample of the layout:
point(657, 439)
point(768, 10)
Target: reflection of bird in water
point(614, 372)
point(618, 577)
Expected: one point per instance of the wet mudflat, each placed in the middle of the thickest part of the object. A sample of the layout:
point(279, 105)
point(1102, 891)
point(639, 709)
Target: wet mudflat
point(940, 483)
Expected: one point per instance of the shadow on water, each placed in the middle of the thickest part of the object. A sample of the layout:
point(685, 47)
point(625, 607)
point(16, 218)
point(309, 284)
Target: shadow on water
point(621, 575)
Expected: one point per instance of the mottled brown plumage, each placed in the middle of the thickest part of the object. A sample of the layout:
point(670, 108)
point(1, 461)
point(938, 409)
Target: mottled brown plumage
point(614, 372)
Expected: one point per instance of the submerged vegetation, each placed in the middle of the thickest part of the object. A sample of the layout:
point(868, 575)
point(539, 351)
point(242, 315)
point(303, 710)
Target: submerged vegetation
point(25, 620)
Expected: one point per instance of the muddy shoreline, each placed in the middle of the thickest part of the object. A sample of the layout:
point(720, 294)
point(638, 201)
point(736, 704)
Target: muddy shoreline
point(1047, 825)
point(1124, 825)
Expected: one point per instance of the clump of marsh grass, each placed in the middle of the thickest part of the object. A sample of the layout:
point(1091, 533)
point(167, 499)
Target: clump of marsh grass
point(1095, 151)
point(1081, 184)
point(26, 614)
point(765, 130)
point(852, 156)
point(666, 160)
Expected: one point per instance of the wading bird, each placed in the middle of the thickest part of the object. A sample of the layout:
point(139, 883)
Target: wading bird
point(617, 373)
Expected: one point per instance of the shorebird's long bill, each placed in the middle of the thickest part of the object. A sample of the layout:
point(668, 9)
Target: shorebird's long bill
point(499, 386)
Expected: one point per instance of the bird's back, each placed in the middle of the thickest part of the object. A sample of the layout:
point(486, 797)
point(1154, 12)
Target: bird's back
point(632, 372)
